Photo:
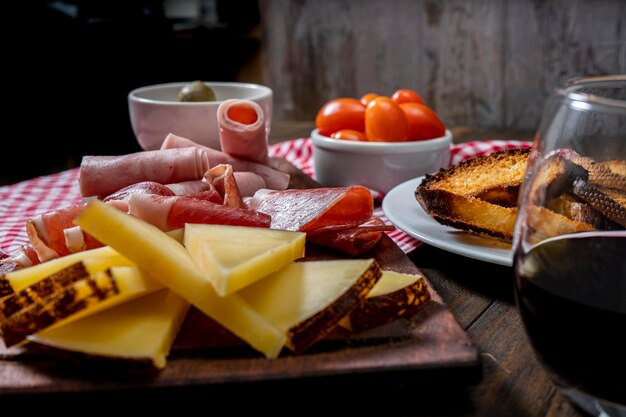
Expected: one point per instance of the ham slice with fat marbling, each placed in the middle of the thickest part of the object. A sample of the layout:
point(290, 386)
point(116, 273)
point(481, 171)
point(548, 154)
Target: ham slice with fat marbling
point(242, 130)
point(274, 179)
point(103, 175)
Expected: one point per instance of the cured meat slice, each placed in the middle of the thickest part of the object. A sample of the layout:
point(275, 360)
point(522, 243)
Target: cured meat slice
point(242, 130)
point(145, 187)
point(168, 213)
point(274, 179)
point(222, 180)
point(315, 208)
point(103, 175)
point(249, 183)
point(354, 240)
point(188, 187)
point(22, 257)
point(47, 236)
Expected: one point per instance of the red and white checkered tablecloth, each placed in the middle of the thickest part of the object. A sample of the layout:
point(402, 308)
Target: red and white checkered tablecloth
point(26, 199)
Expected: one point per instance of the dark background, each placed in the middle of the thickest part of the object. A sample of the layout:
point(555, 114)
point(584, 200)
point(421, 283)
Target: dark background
point(70, 66)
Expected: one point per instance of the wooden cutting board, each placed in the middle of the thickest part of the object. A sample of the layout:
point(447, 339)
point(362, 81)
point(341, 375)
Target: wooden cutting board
point(427, 344)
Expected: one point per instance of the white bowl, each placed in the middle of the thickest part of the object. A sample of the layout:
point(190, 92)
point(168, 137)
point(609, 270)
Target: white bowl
point(155, 111)
point(377, 165)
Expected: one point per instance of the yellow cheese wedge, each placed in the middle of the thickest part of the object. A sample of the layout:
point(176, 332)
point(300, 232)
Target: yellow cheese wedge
point(232, 257)
point(26, 277)
point(142, 330)
point(392, 281)
point(306, 300)
point(41, 306)
point(166, 260)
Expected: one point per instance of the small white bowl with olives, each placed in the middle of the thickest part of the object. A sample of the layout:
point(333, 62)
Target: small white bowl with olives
point(188, 109)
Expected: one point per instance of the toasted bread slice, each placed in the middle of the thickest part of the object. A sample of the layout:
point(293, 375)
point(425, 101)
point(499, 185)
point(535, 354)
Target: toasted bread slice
point(546, 223)
point(555, 178)
point(617, 166)
point(478, 195)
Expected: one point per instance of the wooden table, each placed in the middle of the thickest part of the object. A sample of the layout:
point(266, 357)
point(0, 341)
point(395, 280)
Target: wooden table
point(479, 295)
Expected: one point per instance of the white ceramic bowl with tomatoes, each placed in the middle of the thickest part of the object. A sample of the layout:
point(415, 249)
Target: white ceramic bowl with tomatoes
point(378, 142)
point(377, 165)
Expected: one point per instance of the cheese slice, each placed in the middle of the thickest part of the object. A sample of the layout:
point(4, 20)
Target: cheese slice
point(142, 330)
point(26, 277)
point(232, 257)
point(392, 281)
point(167, 261)
point(74, 296)
point(306, 300)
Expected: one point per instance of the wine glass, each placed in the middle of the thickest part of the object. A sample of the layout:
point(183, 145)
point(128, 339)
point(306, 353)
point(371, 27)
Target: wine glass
point(570, 243)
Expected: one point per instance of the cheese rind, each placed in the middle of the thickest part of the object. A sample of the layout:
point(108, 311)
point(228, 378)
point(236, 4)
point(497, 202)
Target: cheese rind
point(167, 261)
point(233, 257)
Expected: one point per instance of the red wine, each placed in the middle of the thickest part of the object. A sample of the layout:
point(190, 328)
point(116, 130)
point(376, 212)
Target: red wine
point(573, 305)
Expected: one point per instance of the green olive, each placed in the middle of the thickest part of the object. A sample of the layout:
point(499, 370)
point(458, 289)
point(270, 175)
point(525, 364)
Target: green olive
point(196, 91)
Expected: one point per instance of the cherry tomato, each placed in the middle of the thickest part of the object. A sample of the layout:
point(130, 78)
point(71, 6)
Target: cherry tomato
point(349, 134)
point(385, 121)
point(406, 96)
point(366, 98)
point(423, 122)
point(341, 113)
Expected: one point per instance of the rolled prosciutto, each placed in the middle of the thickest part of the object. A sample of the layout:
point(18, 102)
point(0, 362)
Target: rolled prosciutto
point(103, 175)
point(274, 179)
point(22, 257)
point(47, 235)
point(242, 130)
point(169, 213)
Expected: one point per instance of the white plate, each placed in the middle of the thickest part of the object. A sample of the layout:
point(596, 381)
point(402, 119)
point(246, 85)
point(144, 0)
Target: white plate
point(403, 210)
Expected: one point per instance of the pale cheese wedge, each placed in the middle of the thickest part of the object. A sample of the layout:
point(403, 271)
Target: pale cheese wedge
point(232, 257)
point(168, 261)
point(26, 277)
point(141, 330)
point(306, 300)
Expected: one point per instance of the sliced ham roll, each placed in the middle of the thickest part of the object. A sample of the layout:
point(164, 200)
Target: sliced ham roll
point(46, 232)
point(274, 179)
point(242, 130)
point(315, 208)
point(103, 175)
point(169, 213)
point(188, 187)
point(249, 183)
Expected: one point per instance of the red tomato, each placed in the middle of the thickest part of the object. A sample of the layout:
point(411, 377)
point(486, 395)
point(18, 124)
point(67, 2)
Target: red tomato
point(349, 134)
point(423, 122)
point(385, 121)
point(406, 96)
point(366, 98)
point(341, 113)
